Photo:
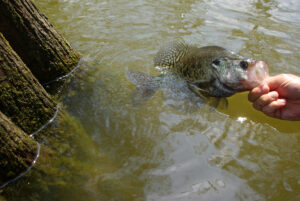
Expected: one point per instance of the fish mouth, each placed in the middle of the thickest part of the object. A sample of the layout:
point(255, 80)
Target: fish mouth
point(257, 73)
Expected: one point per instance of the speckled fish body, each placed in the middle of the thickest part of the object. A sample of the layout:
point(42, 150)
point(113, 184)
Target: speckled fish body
point(212, 70)
point(209, 71)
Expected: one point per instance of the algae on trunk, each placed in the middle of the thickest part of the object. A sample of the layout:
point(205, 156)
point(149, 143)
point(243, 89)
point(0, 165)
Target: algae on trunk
point(40, 46)
point(22, 98)
point(17, 150)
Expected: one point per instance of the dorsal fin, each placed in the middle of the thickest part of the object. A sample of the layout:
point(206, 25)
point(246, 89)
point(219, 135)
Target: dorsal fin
point(170, 53)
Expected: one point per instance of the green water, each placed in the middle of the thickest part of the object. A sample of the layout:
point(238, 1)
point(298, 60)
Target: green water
point(158, 151)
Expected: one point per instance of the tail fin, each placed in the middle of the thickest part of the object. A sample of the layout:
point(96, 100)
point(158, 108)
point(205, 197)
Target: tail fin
point(146, 86)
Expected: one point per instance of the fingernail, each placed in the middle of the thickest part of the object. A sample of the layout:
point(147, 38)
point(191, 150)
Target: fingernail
point(283, 101)
point(273, 95)
point(264, 88)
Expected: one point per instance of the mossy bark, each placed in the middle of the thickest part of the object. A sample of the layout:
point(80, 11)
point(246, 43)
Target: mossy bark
point(17, 150)
point(40, 46)
point(22, 98)
point(69, 163)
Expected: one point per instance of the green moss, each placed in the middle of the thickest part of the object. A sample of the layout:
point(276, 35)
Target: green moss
point(17, 150)
point(22, 98)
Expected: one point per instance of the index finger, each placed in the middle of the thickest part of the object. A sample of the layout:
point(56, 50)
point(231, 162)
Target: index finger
point(257, 92)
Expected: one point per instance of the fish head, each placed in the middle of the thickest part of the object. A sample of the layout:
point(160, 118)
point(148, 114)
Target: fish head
point(233, 73)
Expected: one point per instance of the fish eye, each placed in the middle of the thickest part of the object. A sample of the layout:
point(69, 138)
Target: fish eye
point(244, 64)
point(216, 62)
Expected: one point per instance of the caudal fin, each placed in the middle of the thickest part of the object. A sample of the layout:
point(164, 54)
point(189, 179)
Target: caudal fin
point(146, 86)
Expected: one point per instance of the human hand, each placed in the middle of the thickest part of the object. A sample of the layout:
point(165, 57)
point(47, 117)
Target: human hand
point(278, 97)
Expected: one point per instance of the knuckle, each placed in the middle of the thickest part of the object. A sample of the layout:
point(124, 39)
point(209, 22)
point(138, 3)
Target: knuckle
point(250, 97)
point(257, 106)
point(267, 110)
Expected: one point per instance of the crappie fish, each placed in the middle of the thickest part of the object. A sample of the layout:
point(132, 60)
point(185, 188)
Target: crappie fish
point(209, 71)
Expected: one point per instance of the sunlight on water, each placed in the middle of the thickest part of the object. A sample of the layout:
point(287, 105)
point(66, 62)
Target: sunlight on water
point(158, 151)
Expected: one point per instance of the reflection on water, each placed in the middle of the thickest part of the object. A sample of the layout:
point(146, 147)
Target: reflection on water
point(157, 152)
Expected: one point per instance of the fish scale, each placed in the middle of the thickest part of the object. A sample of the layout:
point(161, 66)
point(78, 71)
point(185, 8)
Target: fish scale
point(170, 53)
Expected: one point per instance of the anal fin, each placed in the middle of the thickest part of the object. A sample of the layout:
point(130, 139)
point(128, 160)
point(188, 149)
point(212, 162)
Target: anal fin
point(146, 86)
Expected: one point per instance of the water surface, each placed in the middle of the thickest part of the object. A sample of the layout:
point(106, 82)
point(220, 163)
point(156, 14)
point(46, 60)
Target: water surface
point(158, 151)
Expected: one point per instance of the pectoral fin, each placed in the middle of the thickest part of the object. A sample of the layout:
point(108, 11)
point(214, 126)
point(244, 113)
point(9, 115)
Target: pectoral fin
point(221, 103)
point(200, 91)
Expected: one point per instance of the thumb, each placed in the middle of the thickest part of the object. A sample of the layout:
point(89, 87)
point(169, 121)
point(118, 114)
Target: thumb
point(275, 82)
point(287, 85)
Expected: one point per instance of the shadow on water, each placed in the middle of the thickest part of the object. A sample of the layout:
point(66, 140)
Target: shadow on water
point(105, 148)
point(164, 148)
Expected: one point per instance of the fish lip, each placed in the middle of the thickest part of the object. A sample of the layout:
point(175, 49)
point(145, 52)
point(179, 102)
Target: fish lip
point(244, 84)
point(257, 72)
point(251, 61)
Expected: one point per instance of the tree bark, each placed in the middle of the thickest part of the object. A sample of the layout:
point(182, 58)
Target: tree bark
point(17, 150)
point(68, 163)
point(40, 46)
point(22, 98)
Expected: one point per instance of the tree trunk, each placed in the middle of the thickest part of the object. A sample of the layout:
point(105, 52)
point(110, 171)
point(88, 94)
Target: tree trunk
point(40, 46)
point(17, 150)
point(22, 98)
point(68, 163)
